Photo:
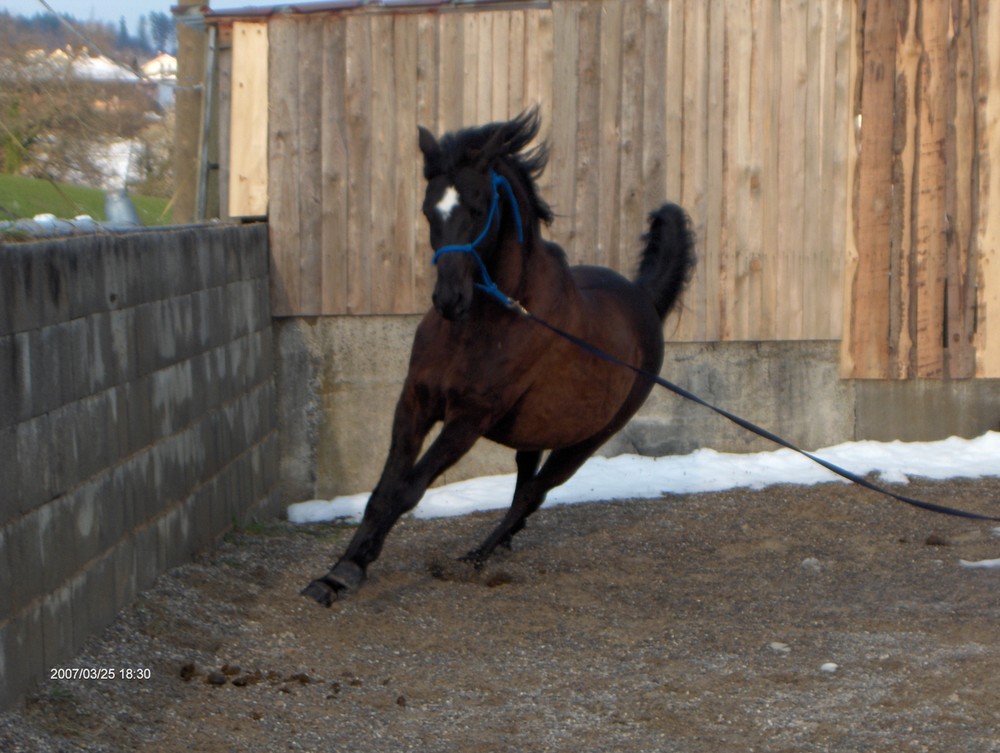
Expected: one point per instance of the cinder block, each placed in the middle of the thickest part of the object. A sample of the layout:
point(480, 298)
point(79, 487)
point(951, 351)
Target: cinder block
point(61, 548)
point(100, 367)
point(24, 360)
point(34, 448)
point(123, 345)
point(10, 476)
point(22, 662)
point(20, 286)
point(139, 415)
point(124, 563)
point(57, 625)
point(55, 262)
point(75, 350)
point(9, 397)
point(26, 563)
point(65, 439)
point(94, 605)
point(48, 371)
point(87, 288)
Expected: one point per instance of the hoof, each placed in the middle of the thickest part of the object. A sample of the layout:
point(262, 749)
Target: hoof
point(322, 591)
point(476, 558)
point(343, 577)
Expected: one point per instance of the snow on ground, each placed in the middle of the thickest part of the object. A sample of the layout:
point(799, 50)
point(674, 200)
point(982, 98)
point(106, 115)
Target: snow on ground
point(635, 477)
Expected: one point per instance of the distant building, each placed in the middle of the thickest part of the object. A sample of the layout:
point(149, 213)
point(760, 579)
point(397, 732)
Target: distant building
point(162, 70)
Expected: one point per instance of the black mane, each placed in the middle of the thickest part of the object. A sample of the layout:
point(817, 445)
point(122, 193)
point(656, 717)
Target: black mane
point(504, 142)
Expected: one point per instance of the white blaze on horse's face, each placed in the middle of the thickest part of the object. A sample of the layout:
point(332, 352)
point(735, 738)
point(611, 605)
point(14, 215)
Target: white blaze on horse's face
point(447, 203)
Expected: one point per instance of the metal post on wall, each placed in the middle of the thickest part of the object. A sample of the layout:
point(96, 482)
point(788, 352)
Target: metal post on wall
point(201, 193)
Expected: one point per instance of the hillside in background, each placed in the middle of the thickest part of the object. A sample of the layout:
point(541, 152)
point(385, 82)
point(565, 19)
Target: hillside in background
point(22, 197)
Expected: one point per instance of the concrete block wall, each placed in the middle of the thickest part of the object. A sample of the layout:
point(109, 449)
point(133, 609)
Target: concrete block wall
point(137, 423)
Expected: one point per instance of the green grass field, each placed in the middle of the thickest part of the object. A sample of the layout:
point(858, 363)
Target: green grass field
point(25, 197)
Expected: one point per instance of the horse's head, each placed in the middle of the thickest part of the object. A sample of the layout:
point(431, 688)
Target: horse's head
point(480, 193)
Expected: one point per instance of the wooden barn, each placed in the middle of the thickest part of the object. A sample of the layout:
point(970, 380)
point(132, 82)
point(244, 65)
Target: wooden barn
point(840, 160)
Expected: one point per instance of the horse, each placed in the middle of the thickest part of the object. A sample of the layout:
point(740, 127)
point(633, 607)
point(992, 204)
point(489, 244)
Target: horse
point(480, 368)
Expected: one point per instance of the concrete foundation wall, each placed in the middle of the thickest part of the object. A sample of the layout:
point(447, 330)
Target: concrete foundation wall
point(339, 378)
point(137, 423)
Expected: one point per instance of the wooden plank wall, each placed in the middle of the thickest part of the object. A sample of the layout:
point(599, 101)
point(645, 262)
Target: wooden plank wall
point(922, 285)
point(737, 110)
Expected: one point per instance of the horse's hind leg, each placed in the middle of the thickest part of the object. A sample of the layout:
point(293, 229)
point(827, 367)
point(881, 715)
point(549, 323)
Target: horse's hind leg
point(396, 493)
point(529, 494)
point(527, 464)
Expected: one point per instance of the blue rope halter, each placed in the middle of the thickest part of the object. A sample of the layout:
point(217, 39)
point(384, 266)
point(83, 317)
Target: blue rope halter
point(487, 285)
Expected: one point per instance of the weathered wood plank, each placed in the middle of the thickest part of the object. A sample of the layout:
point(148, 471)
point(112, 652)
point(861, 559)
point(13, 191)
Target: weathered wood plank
point(310, 164)
point(604, 192)
point(631, 209)
point(565, 107)
point(987, 234)
point(406, 204)
point(868, 328)
point(387, 279)
point(359, 117)
point(653, 142)
point(283, 184)
point(791, 162)
point(248, 124)
point(930, 231)
point(335, 181)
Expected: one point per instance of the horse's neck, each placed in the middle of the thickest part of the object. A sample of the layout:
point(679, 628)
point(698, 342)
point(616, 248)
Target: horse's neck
point(532, 273)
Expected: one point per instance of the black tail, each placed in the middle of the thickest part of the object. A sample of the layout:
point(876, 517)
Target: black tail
point(668, 258)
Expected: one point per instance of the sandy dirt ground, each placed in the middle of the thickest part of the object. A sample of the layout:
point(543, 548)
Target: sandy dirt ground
point(789, 619)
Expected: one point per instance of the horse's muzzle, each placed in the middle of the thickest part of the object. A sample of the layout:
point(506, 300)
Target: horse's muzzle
point(454, 289)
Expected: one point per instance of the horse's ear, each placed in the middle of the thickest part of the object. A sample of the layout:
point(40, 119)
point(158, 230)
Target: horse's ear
point(428, 144)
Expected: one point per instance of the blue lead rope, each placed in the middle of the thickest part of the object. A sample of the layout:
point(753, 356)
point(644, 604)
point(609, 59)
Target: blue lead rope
point(488, 285)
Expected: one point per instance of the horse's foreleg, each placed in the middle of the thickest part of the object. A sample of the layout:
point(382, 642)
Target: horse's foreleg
point(395, 495)
point(529, 494)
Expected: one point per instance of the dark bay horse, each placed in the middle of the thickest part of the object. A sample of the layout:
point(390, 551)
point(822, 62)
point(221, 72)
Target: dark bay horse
point(482, 369)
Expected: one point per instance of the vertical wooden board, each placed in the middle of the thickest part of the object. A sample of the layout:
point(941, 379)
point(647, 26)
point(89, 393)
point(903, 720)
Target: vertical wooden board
point(224, 115)
point(693, 158)
point(334, 204)
point(359, 120)
point(500, 67)
point(961, 203)
point(470, 62)
point(309, 168)
point(674, 100)
point(899, 360)
point(815, 281)
point(714, 181)
point(583, 248)
point(565, 121)
point(386, 277)
point(654, 105)
point(764, 102)
point(868, 326)
point(452, 72)
point(603, 193)
point(428, 56)
point(515, 62)
point(791, 162)
point(850, 210)
point(988, 225)
point(405, 206)
point(741, 200)
point(283, 183)
point(248, 124)
point(631, 207)
point(929, 189)
point(837, 146)
point(539, 73)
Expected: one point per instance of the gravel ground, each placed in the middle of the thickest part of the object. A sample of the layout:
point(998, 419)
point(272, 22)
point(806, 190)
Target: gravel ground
point(789, 619)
